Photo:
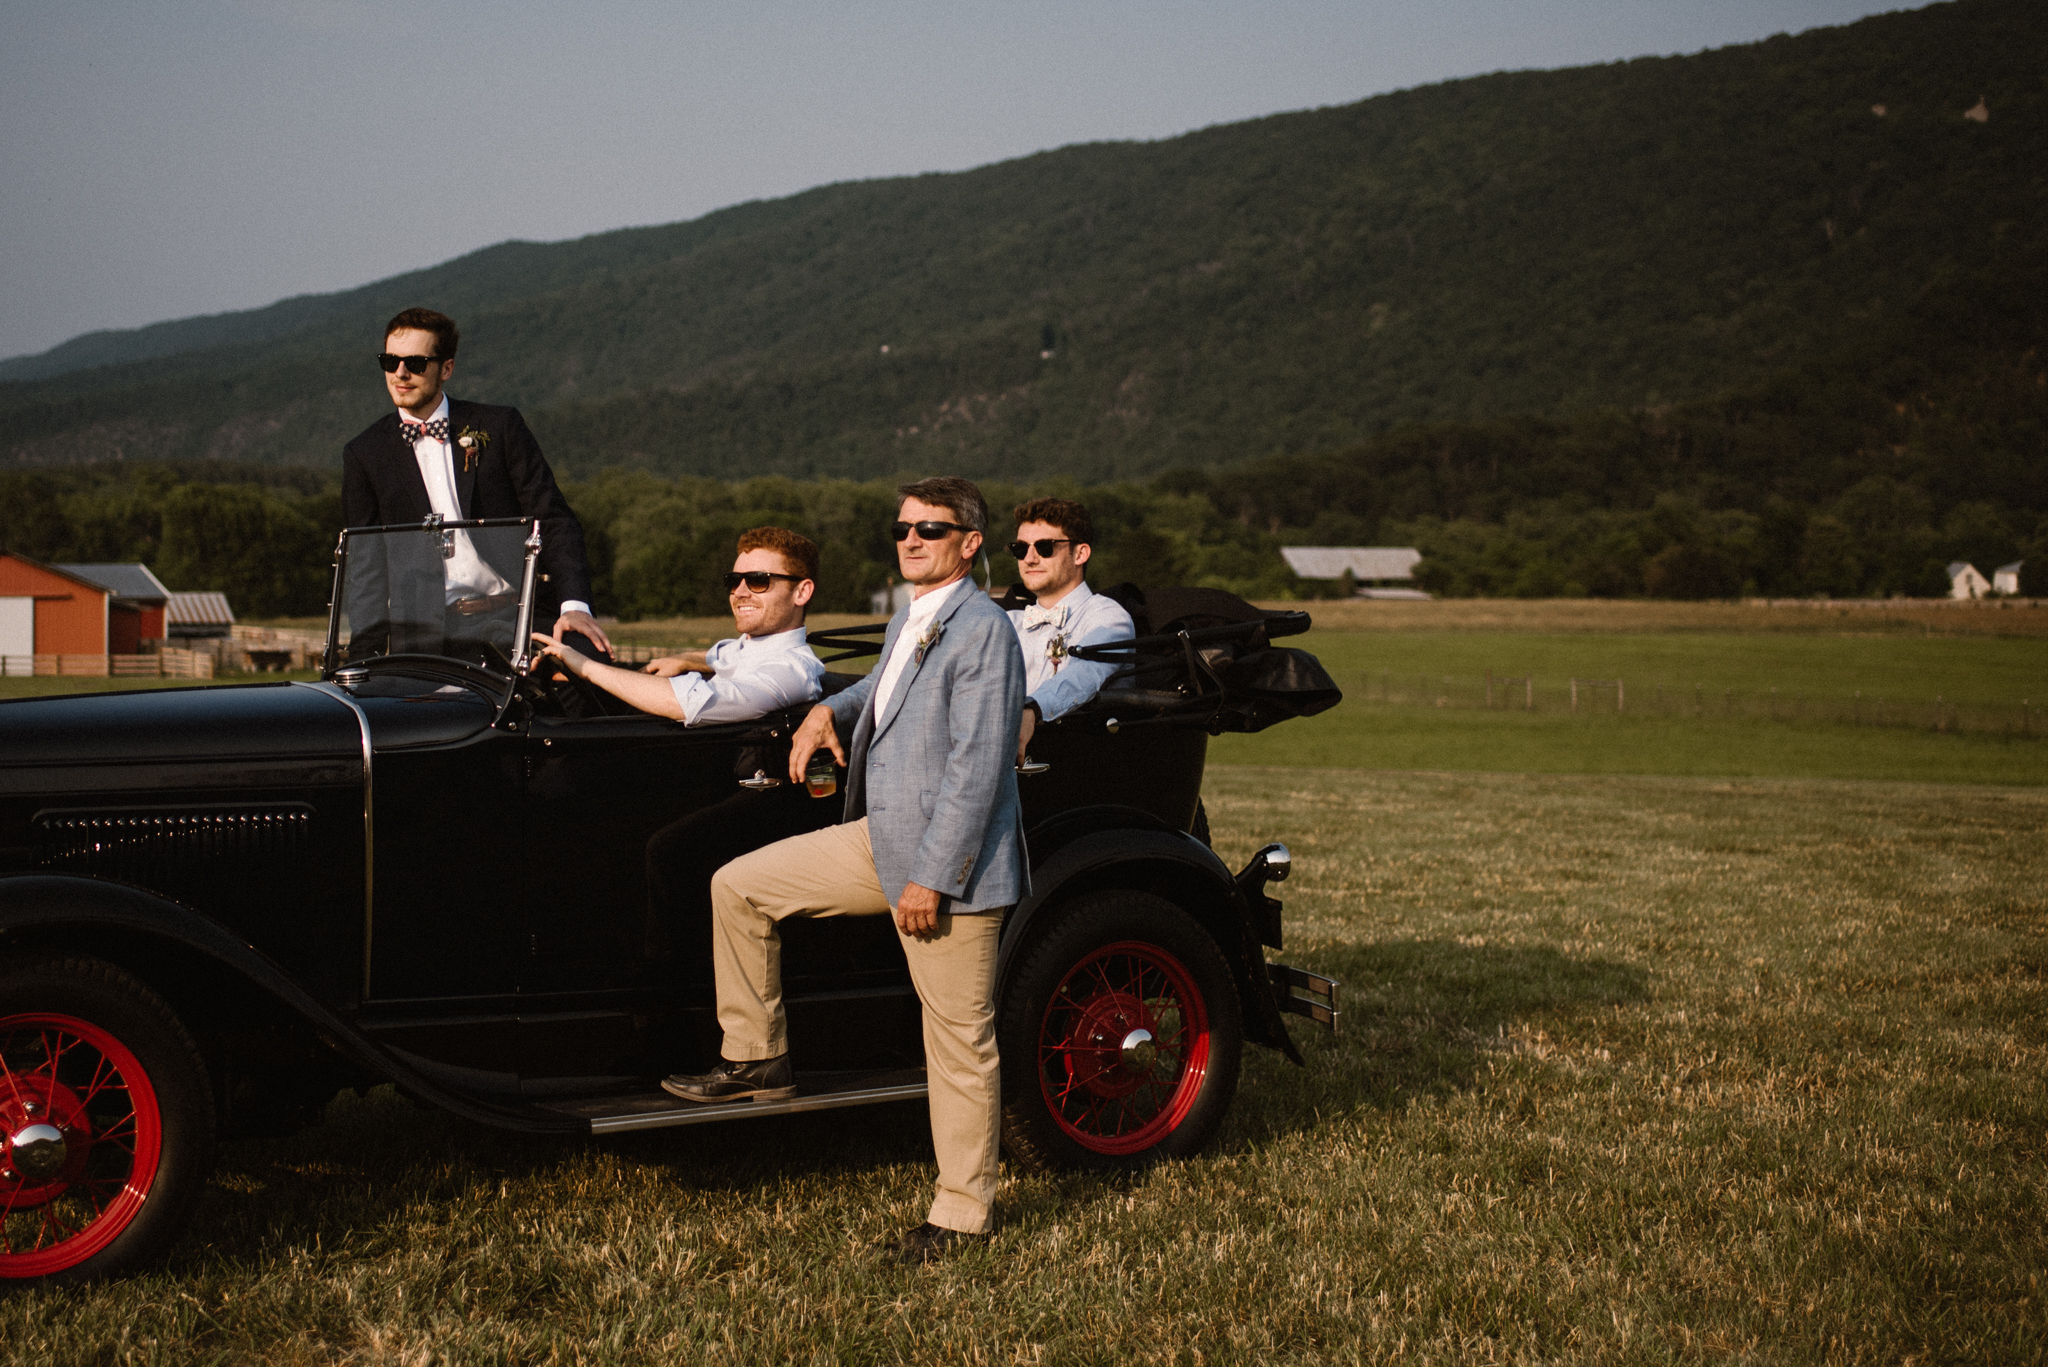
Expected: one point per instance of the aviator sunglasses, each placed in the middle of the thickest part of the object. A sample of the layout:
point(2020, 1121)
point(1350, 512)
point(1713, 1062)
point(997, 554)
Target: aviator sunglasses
point(1044, 547)
point(926, 531)
point(416, 364)
point(757, 580)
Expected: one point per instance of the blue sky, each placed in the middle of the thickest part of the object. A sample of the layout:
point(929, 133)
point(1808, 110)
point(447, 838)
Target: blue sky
point(168, 159)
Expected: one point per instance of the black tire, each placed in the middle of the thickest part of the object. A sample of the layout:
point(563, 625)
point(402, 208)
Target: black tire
point(90, 1053)
point(1107, 965)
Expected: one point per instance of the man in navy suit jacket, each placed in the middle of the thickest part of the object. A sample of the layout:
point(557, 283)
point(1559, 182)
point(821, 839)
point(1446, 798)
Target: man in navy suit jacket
point(933, 832)
point(462, 460)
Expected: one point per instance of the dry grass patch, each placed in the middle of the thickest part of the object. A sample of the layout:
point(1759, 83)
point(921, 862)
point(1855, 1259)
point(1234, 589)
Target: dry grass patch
point(1633, 1070)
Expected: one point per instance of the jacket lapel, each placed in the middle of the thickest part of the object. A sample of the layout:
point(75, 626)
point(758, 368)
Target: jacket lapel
point(464, 466)
point(408, 470)
point(916, 666)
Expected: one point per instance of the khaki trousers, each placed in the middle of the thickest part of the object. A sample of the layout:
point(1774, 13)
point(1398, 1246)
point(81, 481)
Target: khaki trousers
point(832, 873)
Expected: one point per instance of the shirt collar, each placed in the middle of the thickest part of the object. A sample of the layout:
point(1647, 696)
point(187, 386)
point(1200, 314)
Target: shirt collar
point(440, 411)
point(928, 605)
point(792, 639)
point(1075, 596)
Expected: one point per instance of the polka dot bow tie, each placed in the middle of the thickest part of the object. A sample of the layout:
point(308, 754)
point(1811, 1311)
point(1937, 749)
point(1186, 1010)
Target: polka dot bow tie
point(418, 431)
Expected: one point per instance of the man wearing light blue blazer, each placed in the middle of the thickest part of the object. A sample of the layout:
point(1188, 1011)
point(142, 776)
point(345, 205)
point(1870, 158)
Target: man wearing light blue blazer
point(933, 833)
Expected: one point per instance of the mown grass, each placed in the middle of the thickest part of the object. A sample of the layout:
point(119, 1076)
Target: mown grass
point(1982, 683)
point(1864, 617)
point(1633, 1070)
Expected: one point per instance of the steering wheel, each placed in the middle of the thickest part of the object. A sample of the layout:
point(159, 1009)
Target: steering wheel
point(569, 695)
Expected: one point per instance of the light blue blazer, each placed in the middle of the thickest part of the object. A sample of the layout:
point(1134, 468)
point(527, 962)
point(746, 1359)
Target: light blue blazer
point(936, 777)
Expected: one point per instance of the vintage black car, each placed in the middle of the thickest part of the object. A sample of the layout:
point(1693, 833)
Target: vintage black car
point(220, 906)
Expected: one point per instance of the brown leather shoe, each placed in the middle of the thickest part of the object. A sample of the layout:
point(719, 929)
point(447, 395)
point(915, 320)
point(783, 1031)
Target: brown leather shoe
point(928, 1243)
point(768, 1079)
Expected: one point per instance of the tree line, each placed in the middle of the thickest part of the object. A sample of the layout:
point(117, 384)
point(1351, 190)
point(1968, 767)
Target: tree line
point(1688, 503)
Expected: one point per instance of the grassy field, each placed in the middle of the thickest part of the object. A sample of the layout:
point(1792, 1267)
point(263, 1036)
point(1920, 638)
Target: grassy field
point(1633, 1070)
point(1894, 617)
point(1699, 702)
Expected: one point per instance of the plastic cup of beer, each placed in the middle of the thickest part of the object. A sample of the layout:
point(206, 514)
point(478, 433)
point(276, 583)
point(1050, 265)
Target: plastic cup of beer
point(821, 779)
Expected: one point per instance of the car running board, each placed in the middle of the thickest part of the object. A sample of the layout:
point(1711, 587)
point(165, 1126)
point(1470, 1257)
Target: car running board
point(1304, 993)
point(814, 1092)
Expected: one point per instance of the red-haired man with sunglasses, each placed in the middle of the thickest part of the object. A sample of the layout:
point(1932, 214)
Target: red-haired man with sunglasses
point(462, 460)
point(767, 667)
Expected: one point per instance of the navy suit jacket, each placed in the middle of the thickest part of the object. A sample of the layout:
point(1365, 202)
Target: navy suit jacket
point(381, 485)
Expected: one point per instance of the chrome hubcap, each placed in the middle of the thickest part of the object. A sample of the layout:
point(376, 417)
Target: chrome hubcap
point(38, 1151)
point(1139, 1051)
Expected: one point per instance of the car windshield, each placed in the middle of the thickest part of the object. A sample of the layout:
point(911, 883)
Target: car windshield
point(459, 590)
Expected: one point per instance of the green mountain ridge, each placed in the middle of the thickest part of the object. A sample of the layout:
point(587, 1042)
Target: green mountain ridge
point(1532, 243)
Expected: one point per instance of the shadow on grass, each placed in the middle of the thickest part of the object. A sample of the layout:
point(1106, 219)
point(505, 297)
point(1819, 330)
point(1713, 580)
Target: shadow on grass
point(341, 1183)
point(1419, 1017)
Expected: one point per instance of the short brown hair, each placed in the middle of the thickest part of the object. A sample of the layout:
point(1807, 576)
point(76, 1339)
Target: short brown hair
point(1069, 516)
point(446, 338)
point(961, 497)
point(800, 553)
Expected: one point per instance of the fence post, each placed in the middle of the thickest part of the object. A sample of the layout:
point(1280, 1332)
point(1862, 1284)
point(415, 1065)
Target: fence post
point(1620, 697)
point(1575, 697)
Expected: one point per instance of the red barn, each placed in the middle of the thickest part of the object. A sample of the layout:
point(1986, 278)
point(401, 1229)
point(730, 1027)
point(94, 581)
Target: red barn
point(78, 609)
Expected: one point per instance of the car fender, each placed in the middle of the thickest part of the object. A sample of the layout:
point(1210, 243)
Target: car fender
point(137, 928)
point(1146, 856)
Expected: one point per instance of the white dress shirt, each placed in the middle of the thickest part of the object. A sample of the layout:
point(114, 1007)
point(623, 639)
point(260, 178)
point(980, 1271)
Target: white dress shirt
point(753, 676)
point(468, 574)
point(923, 608)
point(1054, 680)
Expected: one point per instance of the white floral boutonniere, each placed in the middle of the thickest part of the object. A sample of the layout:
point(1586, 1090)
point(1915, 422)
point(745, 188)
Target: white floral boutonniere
point(1056, 651)
point(472, 443)
point(930, 638)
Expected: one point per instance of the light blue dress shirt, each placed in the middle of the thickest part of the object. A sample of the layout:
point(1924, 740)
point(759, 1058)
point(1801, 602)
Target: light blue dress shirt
point(1053, 679)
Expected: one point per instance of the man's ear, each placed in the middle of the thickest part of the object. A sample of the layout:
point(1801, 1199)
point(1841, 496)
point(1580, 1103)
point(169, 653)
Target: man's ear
point(969, 551)
point(803, 592)
point(447, 369)
point(1082, 550)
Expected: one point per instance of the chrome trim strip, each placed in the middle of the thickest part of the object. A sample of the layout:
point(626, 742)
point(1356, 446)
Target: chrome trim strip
point(739, 1110)
point(369, 825)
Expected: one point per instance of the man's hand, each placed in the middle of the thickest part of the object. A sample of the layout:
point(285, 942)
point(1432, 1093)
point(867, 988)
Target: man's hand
point(572, 661)
point(1024, 730)
point(587, 625)
point(668, 666)
point(917, 910)
point(818, 732)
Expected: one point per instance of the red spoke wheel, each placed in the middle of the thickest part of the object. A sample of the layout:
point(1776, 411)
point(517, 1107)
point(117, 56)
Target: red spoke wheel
point(105, 1120)
point(1121, 1036)
point(1124, 1048)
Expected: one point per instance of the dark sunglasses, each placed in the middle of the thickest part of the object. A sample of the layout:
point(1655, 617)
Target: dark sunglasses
point(416, 364)
point(1043, 547)
point(926, 531)
point(757, 580)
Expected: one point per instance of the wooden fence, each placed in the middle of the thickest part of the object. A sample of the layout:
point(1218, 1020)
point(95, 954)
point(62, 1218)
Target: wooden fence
point(164, 664)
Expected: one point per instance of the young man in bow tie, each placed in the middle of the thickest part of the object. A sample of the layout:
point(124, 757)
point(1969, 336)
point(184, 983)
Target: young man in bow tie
point(1055, 538)
point(463, 461)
